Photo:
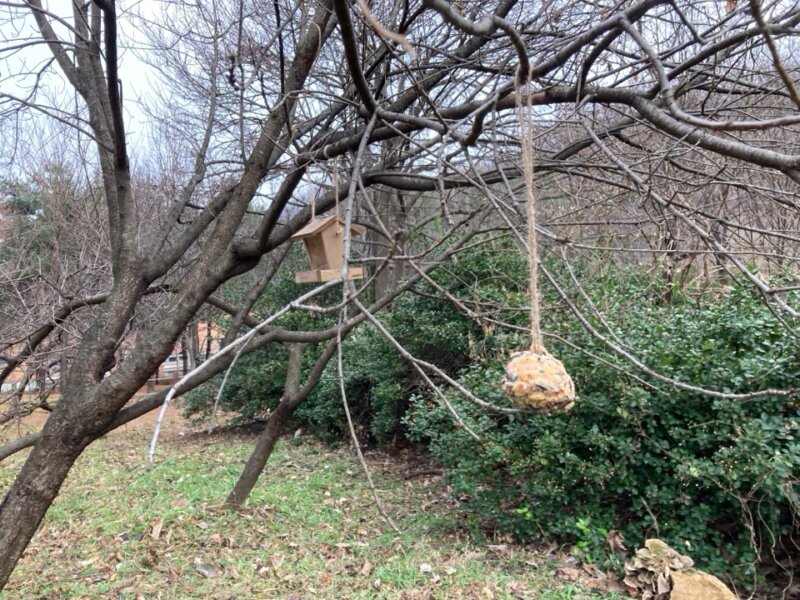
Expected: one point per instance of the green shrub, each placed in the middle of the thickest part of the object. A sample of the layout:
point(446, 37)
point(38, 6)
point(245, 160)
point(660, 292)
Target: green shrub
point(715, 478)
point(378, 381)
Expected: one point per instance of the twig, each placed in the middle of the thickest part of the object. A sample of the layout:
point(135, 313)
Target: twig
point(383, 31)
point(347, 293)
point(241, 343)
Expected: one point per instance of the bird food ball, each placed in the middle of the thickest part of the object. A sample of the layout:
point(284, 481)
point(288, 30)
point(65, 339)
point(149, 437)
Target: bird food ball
point(538, 382)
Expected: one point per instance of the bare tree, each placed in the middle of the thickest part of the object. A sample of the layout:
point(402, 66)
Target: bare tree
point(662, 127)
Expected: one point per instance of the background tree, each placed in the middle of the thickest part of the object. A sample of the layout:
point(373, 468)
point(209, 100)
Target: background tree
point(664, 130)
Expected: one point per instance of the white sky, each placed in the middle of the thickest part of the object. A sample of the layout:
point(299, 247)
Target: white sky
point(21, 60)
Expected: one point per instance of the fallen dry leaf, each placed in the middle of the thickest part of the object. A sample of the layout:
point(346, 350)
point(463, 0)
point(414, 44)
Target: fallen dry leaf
point(570, 573)
point(155, 530)
point(499, 549)
point(616, 542)
point(277, 561)
point(517, 590)
point(593, 570)
point(366, 569)
point(605, 584)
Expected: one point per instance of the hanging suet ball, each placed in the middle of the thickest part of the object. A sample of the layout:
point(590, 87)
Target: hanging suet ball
point(538, 382)
point(534, 380)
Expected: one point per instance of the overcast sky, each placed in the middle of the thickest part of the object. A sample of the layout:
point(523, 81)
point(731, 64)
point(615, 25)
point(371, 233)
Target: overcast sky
point(23, 58)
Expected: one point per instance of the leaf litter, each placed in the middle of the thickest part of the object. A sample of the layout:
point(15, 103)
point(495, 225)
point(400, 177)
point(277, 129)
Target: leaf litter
point(310, 530)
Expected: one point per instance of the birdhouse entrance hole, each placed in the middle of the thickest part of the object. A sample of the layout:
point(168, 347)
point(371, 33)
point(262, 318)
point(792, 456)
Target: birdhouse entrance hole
point(324, 243)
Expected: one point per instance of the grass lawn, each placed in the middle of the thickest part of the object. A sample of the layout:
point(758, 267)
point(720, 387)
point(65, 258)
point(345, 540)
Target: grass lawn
point(309, 530)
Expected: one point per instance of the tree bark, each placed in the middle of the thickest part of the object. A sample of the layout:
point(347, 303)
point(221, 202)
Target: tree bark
point(266, 440)
point(62, 440)
point(392, 211)
point(26, 503)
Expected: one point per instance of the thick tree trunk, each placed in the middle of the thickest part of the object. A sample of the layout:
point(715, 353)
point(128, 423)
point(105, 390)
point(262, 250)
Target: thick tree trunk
point(393, 214)
point(392, 210)
point(266, 441)
point(87, 407)
point(27, 501)
point(184, 354)
point(62, 440)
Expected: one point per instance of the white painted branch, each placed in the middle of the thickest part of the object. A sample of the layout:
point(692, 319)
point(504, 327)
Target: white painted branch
point(241, 343)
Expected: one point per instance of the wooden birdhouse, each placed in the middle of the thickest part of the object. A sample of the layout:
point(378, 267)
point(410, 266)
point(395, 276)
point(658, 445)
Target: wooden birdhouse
point(324, 242)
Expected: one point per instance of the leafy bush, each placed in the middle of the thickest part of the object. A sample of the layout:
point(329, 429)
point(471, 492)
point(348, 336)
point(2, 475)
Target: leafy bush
point(254, 386)
point(716, 478)
point(378, 381)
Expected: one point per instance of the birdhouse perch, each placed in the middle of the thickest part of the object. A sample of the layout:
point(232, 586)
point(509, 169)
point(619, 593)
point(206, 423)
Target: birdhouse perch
point(324, 243)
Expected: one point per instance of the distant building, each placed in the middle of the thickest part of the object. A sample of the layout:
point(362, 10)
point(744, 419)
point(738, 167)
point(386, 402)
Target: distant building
point(207, 336)
point(202, 337)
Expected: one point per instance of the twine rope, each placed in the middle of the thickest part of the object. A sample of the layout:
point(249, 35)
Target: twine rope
point(336, 191)
point(525, 120)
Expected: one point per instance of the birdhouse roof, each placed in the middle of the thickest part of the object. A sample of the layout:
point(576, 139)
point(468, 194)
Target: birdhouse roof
point(318, 225)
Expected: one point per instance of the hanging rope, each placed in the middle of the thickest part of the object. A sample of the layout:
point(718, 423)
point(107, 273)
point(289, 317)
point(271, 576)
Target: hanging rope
point(534, 380)
point(336, 191)
point(336, 183)
point(525, 120)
